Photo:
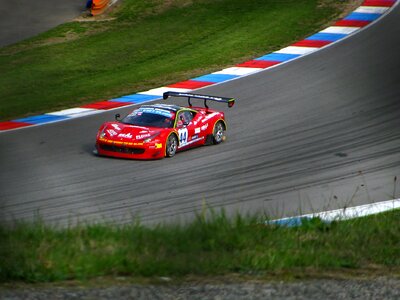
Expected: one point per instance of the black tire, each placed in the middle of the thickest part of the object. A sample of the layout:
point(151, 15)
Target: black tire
point(171, 146)
point(219, 133)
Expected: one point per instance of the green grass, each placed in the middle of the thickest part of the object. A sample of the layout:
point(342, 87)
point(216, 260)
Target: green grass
point(148, 44)
point(215, 246)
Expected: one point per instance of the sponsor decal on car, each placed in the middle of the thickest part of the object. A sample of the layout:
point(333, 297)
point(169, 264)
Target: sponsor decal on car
point(107, 141)
point(116, 127)
point(111, 132)
point(142, 136)
point(208, 117)
point(158, 111)
point(125, 135)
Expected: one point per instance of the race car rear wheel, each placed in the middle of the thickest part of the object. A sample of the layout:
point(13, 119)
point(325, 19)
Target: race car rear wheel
point(171, 145)
point(219, 132)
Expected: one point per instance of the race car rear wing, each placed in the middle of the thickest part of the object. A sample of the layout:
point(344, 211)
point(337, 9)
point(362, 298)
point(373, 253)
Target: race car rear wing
point(230, 101)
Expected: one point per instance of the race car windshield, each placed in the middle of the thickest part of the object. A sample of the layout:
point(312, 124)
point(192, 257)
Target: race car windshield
point(148, 119)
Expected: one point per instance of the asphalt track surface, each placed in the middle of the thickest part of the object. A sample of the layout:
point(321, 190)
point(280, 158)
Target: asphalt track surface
point(21, 19)
point(318, 133)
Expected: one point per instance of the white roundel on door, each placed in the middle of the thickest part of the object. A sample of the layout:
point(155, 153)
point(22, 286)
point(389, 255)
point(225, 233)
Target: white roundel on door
point(183, 136)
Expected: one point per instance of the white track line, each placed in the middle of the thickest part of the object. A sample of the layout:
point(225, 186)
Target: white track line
point(341, 214)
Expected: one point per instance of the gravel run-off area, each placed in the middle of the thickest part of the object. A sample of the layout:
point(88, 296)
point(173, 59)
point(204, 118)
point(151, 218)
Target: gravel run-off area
point(379, 288)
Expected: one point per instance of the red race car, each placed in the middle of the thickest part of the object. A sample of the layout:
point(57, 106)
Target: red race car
point(160, 130)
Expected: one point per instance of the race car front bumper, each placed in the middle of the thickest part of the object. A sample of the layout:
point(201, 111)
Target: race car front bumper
point(152, 150)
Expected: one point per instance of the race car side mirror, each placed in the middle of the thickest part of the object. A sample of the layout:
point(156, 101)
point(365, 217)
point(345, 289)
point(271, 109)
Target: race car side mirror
point(117, 117)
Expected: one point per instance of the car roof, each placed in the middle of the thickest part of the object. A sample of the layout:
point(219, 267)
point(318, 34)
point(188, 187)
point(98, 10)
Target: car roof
point(170, 107)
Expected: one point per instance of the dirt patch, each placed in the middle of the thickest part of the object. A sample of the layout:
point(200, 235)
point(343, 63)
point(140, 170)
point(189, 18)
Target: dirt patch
point(340, 5)
point(344, 7)
point(69, 36)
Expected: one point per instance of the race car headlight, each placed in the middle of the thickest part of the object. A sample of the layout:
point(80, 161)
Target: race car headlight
point(150, 138)
point(103, 133)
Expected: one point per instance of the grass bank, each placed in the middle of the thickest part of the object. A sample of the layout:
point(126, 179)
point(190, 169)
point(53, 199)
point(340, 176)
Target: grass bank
point(146, 44)
point(207, 247)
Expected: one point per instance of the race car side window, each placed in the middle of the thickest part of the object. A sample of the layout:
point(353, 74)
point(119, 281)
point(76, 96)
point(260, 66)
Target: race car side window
point(187, 116)
point(184, 118)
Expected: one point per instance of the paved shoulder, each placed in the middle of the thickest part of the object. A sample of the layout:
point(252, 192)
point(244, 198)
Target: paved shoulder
point(22, 19)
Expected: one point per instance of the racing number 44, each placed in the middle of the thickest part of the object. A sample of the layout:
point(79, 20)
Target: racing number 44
point(183, 136)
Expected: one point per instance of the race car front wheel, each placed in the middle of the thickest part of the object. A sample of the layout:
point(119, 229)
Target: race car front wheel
point(218, 133)
point(171, 146)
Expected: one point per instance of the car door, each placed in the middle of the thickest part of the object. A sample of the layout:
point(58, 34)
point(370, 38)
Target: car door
point(186, 129)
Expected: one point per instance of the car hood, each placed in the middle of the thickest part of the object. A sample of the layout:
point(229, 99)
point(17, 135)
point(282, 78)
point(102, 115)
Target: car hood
point(126, 133)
